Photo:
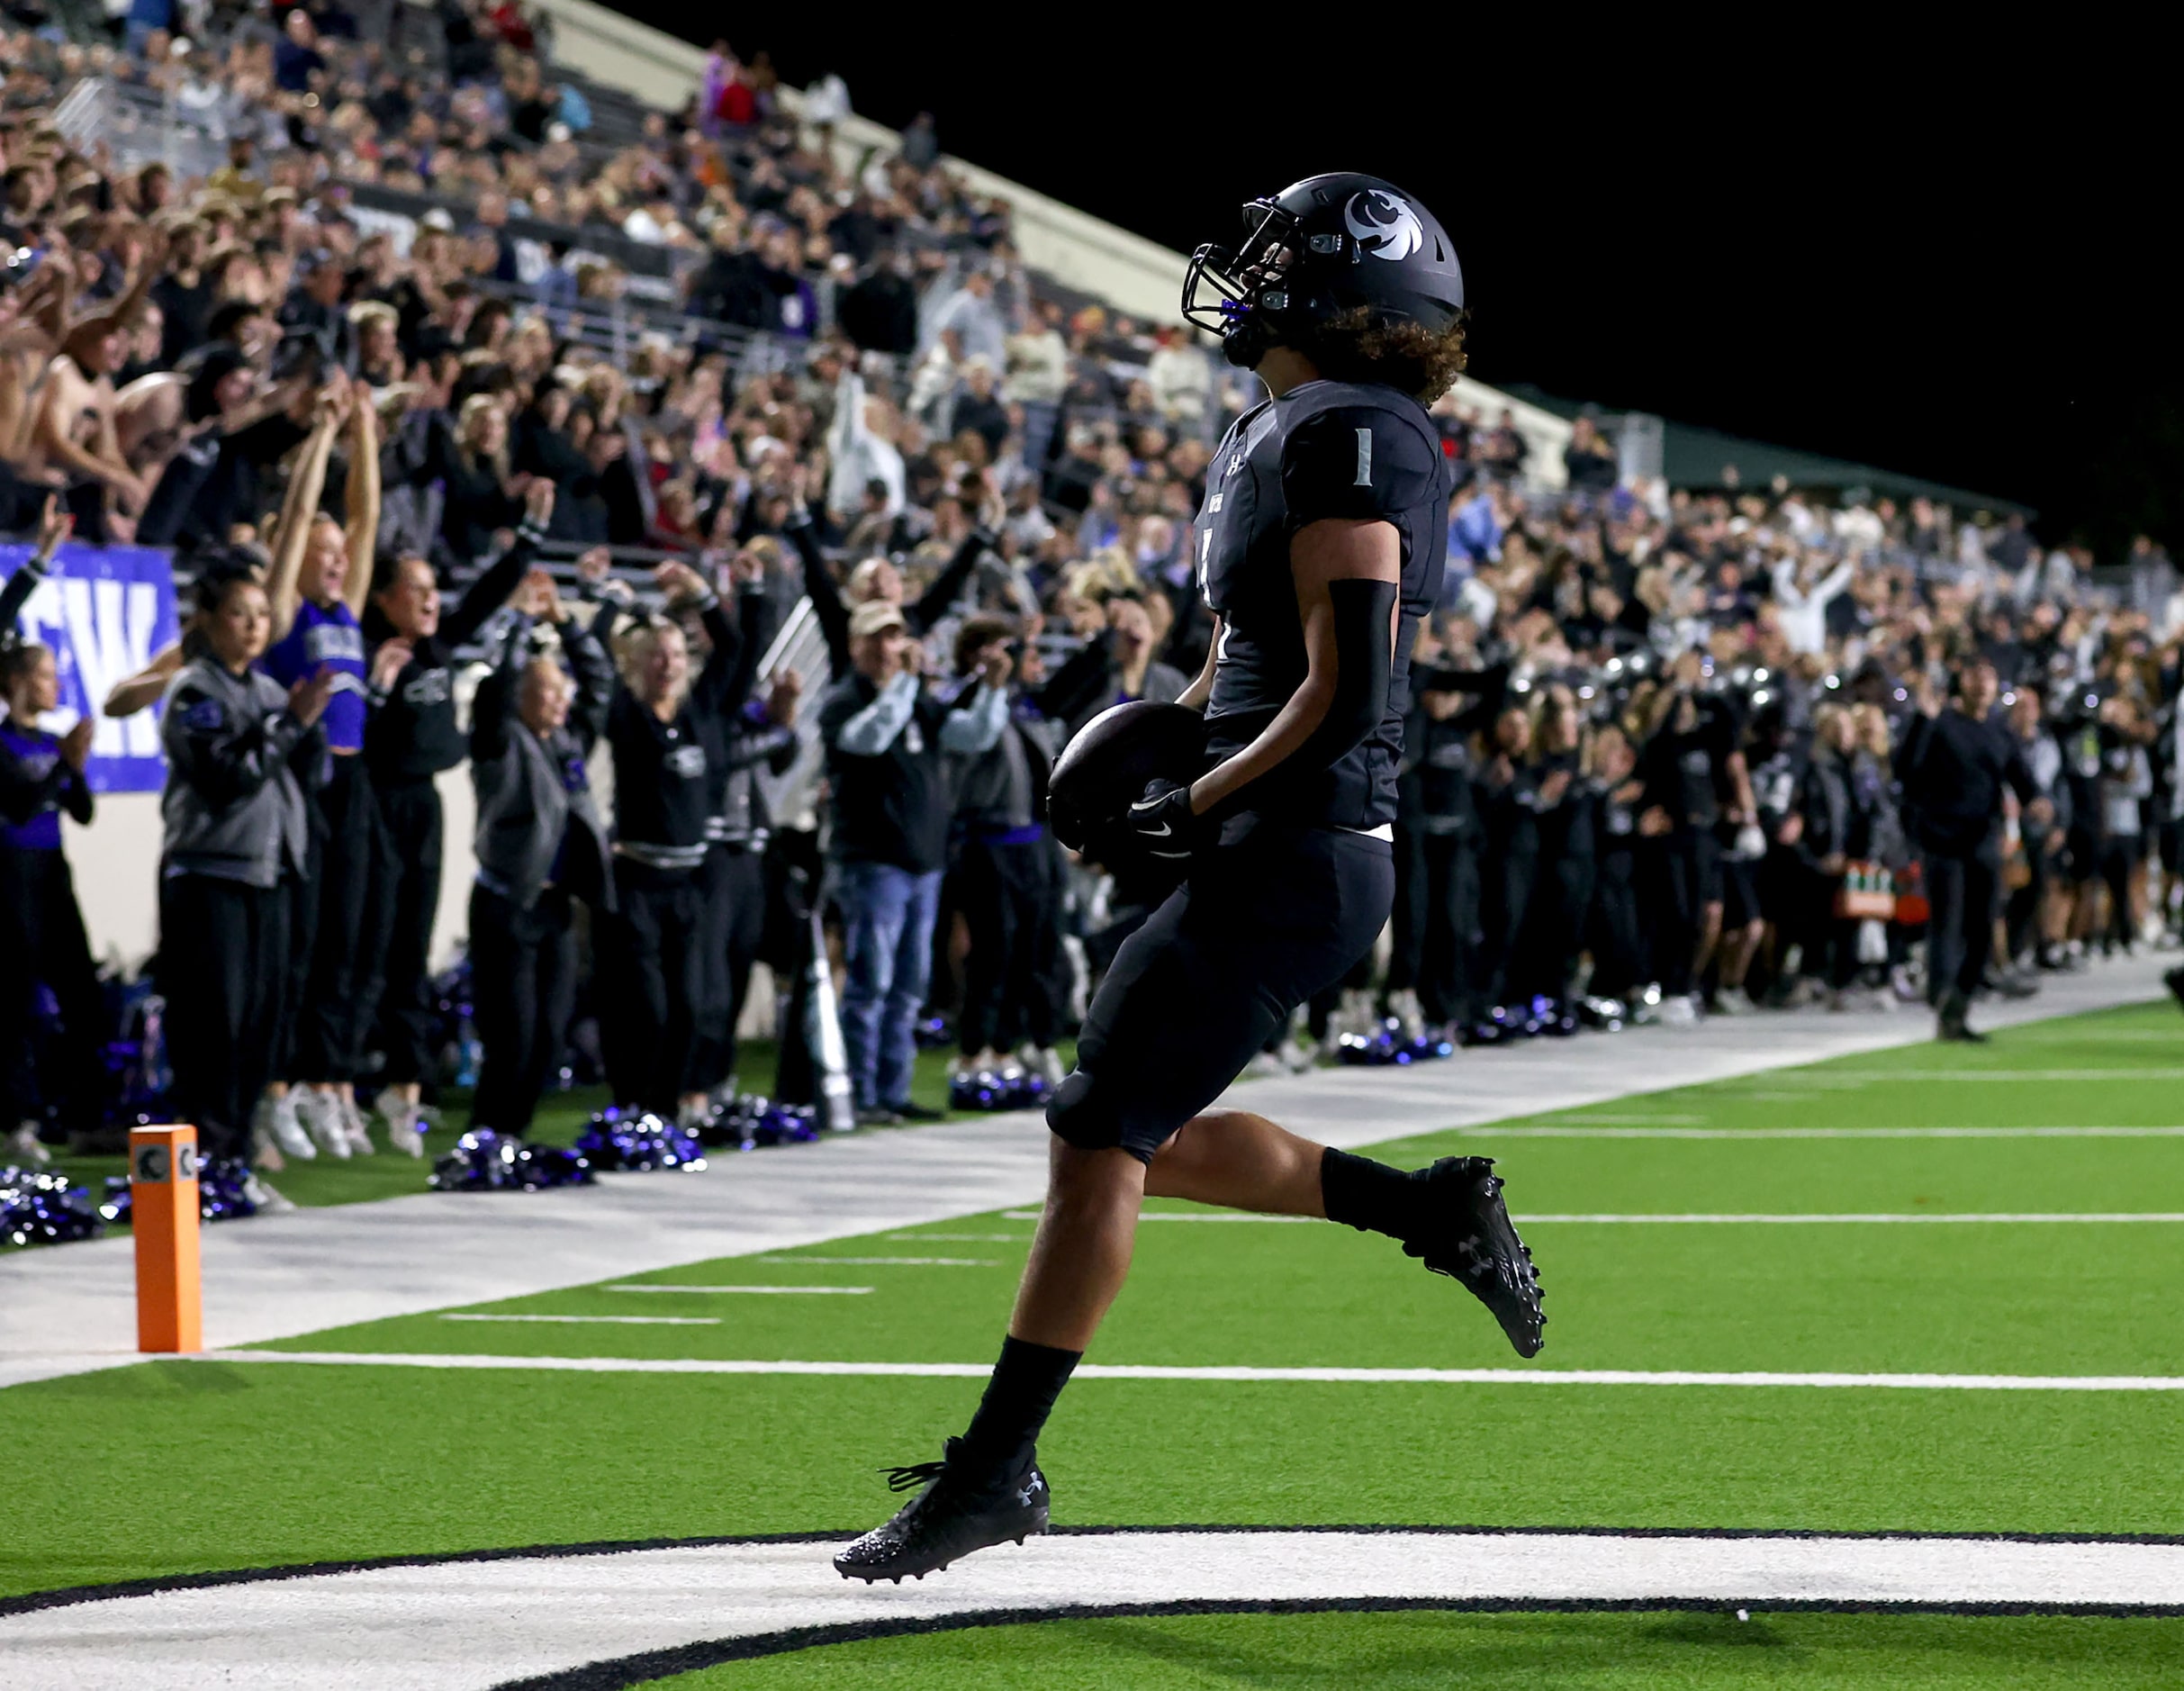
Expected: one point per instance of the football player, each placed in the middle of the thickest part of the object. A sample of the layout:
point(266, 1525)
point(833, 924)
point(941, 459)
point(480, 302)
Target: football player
point(1319, 549)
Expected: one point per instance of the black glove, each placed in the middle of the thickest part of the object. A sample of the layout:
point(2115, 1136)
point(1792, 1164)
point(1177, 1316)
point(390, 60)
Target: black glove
point(1162, 823)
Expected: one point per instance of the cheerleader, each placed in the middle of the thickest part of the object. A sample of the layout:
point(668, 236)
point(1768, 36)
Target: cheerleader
point(236, 845)
point(651, 972)
point(42, 929)
point(541, 850)
point(316, 590)
point(410, 736)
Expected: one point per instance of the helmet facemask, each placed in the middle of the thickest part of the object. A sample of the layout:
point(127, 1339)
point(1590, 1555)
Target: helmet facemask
point(1237, 292)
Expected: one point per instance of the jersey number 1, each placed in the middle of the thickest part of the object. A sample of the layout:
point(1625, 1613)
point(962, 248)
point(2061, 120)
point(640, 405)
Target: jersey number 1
point(1365, 458)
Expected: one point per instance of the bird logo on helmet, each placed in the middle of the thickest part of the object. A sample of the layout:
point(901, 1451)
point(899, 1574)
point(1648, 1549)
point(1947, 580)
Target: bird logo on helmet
point(1303, 259)
point(1381, 224)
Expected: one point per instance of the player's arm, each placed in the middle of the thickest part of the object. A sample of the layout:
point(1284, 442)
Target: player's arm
point(1347, 573)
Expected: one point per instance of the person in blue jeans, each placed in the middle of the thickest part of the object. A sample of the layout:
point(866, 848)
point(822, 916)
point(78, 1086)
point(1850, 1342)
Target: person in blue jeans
point(886, 740)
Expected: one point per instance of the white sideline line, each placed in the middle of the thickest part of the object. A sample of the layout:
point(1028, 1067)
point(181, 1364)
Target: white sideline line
point(624, 1321)
point(1876, 1217)
point(469, 1625)
point(1871, 1075)
point(1284, 1376)
point(959, 1238)
point(1549, 1130)
point(885, 1262)
point(1880, 1218)
point(758, 1291)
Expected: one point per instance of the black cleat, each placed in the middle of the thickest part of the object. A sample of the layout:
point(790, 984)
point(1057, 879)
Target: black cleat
point(951, 1517)
point(2174, 981)
point(1472, 1239)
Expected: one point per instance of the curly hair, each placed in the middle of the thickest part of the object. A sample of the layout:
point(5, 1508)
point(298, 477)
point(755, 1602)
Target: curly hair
point(1356, 346)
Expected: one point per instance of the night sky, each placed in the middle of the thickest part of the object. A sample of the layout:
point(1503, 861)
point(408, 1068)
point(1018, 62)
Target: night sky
point(1945, 264)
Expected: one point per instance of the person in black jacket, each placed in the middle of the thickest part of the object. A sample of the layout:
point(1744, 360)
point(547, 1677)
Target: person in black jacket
point(410, 737)
point(478, 500)
point(651, 980)
point(742, 737)
point(1437, 837)
point(1826, 824)
point(1954, 765)
point(1008, 880)
point(1511, 795)
point(1555, 920)
point(541, 850)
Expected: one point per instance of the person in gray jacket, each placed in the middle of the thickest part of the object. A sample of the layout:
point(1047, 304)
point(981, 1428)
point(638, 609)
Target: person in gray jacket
point(541, 849)
point(235, 849)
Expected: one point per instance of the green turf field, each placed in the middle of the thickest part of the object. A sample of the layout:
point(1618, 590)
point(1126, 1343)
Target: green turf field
point(304, 1462)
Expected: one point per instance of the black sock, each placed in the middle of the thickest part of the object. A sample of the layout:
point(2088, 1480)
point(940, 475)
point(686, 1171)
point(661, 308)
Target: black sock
point(1370, 1196)
point(1018, 1399)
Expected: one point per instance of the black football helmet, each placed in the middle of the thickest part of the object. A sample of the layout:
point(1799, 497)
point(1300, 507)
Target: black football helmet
point(1321, 247)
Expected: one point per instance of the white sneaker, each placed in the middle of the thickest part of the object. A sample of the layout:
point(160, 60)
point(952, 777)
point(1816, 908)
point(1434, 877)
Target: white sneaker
point(25, 1143)
point(274, 1124)
point(1265, 1066)
point(262, 1193)
point(358, 1130)
point(1732, 1002)
point(320, 1114)
point(1679, 1010)
point(977, 1062)
point(1297, 1056)
point(1042, 1061)
point(405, 1133)
point(1405, 1008)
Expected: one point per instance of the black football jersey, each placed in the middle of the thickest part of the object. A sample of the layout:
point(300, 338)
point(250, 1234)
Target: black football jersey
point(1323, 449)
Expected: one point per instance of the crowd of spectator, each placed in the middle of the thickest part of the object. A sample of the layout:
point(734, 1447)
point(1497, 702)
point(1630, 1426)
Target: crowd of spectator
point(1670, 755)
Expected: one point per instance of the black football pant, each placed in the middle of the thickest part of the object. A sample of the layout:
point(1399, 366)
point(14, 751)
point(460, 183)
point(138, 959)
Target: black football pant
point(734, 923)
point(2022, 909)
point(1962, 892)
point(1617, 934)
point(1680, 874)
point(403, 909)
point(1436, 927)
point(43, 942)
point(1507, 895)
point(523, 989)
point(340, 981)
point(648, 983)
point(1010, 895)
point(223, 950)
point(1256, 929)
point(1555, 927)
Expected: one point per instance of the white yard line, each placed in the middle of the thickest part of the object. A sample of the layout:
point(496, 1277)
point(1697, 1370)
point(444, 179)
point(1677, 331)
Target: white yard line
point(1787, 1219)
point(470, 1625)
point(1881, 1218)
point(959, 1238)
point(1247, 1376)
point(887, 1262)
point(1555, 1130)
point(751, 1291)
point(1868, 1076)
point(607, 1321)
point(72, 1309)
